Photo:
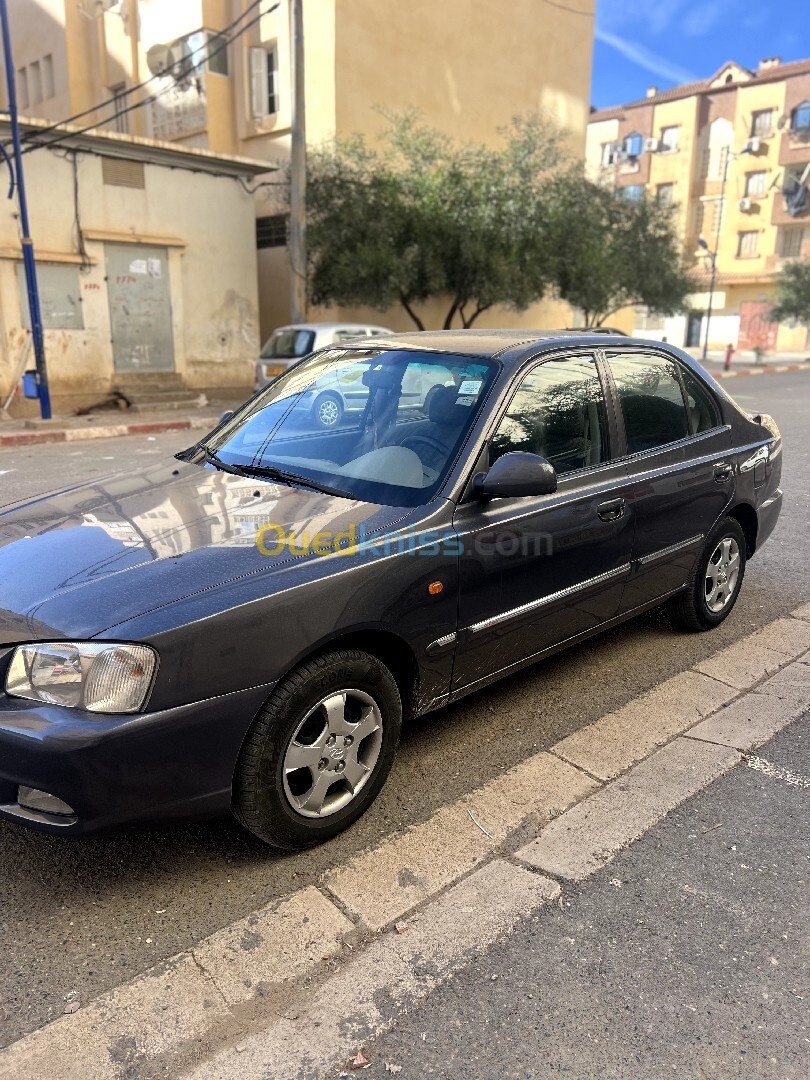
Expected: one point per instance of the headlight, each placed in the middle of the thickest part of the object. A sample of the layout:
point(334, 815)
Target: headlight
point(99, 678)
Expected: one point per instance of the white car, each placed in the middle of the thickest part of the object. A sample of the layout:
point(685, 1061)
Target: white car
point(288, 344)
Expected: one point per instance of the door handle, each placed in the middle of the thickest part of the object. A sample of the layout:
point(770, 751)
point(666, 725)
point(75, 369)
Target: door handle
point(723, 471)
point(610, 511)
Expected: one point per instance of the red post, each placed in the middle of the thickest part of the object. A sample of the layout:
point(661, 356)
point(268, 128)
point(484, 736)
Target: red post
point(729, 354)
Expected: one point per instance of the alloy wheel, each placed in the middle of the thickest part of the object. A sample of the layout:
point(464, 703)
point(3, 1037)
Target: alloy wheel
point(332, 754)
point(722, 572)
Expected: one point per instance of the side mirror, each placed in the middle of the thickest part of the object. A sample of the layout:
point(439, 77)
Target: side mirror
point(517, 474)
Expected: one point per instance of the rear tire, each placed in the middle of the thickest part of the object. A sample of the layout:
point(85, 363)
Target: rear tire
point(715, 581)
point(320, 750)
point(328, 411)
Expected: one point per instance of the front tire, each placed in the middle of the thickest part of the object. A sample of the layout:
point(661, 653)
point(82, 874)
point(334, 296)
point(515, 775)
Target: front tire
point(715, 582)
point(320, 750)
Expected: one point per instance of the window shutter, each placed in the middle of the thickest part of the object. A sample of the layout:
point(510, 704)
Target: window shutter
point(258, 82)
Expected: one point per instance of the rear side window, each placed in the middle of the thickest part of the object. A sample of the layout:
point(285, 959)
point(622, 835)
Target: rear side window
point(559, 413)
point(703, 414)
point(651, 399)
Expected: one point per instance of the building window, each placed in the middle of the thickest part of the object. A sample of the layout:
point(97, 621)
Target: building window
point(747, 244)
point(264, 97)
point(35, 82)
point(762, 123)
point(48, 89)
point(271, 231)
point(669, 139)
point(700, 218)
point(800, 117)
point(633, 192)
point(755, 183)
point(633, 145)
point(22, 88)
point(665, 194)
point(608, 154)
point(789, 243)
point(118, 95)
point(203, 50)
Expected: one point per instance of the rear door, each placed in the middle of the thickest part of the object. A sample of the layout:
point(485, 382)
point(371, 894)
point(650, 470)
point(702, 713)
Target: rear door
point(679, 467)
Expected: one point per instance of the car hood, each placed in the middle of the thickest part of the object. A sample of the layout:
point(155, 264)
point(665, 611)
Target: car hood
point(78, 562)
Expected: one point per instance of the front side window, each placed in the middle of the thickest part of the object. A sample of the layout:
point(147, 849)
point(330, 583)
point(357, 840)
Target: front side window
point(651, 400)
point(379, 425)
point(559, 413)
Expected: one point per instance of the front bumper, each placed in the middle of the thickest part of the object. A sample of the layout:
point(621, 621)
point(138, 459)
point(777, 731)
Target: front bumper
point(114, 770)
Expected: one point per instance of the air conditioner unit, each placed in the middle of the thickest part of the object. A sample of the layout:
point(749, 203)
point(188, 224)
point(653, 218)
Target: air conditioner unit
point(652, 146)
point(753, 145)
point(744, 205)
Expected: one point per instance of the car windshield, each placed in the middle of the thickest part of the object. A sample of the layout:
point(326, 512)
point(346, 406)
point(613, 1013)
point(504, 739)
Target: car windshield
point(381, 425)
point(287, 344)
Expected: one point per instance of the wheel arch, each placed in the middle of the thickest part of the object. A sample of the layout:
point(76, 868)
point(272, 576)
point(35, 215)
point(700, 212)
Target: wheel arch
point(746, 516)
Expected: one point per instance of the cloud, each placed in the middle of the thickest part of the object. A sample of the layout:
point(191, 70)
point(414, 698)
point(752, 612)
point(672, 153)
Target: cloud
point(644, 58)
point(655, 15)
point(700, 20)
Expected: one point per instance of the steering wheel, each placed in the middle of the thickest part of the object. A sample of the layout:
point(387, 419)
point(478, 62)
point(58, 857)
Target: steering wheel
point(425, 440)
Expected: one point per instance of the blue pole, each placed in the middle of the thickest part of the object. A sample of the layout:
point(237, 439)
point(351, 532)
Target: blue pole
point(29, 261)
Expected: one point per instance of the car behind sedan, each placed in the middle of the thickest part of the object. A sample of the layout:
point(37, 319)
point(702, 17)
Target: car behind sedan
point(246, 628)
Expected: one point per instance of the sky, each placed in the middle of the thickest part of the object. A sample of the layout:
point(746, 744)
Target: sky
point(663, 43)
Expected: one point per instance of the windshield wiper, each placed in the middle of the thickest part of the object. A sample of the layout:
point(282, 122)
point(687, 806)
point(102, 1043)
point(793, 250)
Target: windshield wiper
point(270, 472)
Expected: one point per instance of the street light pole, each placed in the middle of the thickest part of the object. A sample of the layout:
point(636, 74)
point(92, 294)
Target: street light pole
point(298, 171)
point(29, 260)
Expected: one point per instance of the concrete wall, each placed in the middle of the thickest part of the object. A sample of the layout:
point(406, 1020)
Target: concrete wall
point(207, 225)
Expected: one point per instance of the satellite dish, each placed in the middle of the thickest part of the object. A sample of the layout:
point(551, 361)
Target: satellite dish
point(160, 60)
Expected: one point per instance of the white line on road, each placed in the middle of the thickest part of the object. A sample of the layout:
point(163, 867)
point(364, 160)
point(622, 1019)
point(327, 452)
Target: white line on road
point(775, 771)
point(4, 472)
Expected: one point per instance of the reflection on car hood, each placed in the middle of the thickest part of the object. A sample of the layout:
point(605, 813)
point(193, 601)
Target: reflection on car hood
point(78, 562)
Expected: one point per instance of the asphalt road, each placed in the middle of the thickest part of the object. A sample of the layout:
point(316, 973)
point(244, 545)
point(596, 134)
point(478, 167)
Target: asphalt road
point(686, 956)
point(79, 916)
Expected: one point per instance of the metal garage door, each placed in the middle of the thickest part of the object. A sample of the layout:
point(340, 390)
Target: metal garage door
point(140, 309)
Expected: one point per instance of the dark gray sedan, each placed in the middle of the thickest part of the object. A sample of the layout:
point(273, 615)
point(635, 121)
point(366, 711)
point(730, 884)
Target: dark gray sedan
point(246, 627)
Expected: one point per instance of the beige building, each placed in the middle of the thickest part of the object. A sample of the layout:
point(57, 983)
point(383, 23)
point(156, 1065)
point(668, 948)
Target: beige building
point(754, 126)
point(467, 65)
point(146, 268)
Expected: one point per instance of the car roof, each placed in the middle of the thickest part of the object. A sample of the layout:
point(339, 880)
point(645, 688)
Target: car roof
point(494, 342)
point(319, 327)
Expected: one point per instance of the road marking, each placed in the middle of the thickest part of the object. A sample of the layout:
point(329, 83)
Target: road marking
point(5, 472)
point(775, 772)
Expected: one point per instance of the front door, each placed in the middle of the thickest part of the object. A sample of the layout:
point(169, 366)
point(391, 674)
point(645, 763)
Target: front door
point(679, 468)
point(694, 327)
point(140, 308)
point(536, 571)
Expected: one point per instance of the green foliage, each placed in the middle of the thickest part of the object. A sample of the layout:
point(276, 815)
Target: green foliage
point(423, 218)
point(611, 252)
point(793, 293)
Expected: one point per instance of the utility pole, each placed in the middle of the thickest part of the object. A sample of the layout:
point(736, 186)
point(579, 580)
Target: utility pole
point(29, 261)
point(298, 170)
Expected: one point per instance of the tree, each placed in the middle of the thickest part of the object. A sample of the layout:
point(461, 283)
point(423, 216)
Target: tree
point(423, 218)
point(793, 293)
point(610, 252)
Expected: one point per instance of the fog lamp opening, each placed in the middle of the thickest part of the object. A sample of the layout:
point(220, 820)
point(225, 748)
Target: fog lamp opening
point(42, 802)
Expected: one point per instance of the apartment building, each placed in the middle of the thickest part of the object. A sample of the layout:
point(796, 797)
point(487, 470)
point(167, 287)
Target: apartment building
point(731, 155)
point(467, 65)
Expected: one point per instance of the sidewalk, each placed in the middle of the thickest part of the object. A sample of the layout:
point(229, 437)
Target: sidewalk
point(687, 956)
point(744, 363)
point(111, 423)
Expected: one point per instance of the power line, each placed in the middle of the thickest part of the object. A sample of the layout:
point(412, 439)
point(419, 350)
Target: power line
point(33, 136)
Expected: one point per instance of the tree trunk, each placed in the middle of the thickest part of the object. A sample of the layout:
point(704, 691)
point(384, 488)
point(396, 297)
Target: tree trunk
point(448, 322)
point(480, 309)
point(403, 300)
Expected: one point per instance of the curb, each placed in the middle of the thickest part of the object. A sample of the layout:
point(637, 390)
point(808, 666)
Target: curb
point(112, 431)
point(780, 369)
point(308, 976)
